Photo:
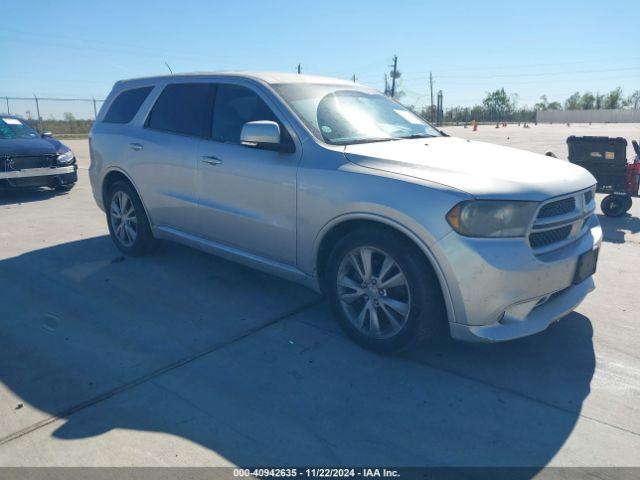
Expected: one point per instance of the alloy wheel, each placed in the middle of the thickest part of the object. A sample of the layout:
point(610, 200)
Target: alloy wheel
point(374, 292)
point(123, 219)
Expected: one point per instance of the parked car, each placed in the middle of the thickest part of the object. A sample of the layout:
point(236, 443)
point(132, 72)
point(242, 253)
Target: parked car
point(333, 185)
point(28, 159)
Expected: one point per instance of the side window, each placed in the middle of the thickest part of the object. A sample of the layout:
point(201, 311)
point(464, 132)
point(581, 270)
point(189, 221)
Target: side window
point(183, 108)
point(235, 106)
point(126, 105)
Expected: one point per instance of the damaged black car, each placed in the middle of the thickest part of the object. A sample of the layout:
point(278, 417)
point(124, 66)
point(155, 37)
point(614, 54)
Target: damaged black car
point(29, 159)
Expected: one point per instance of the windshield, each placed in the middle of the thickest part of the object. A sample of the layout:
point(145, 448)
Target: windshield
point(15, 128)
point(340, 115)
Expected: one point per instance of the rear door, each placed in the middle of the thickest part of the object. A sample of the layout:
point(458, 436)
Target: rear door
point(248, 194)
point(164, 154)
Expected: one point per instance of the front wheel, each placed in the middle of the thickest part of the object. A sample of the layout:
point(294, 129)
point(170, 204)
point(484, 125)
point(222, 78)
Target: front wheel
point(615, 205)
point(382, 290)
point(128, 223)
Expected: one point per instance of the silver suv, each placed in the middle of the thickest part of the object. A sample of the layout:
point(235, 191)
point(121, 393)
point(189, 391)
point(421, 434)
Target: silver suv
point(333, 185)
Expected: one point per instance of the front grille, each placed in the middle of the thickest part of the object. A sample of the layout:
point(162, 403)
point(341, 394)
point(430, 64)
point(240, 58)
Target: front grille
point(26, 162)
point(547, 237)
point(559, 207)
point(560, 221)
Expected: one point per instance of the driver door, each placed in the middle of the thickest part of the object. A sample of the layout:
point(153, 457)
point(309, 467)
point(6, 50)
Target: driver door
point(247, 194)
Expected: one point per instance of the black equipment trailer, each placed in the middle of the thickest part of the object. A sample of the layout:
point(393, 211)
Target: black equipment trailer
point(606, 159)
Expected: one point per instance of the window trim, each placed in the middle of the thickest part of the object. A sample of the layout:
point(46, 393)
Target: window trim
point(119, 94)
point(207, 125)
point(288, 148)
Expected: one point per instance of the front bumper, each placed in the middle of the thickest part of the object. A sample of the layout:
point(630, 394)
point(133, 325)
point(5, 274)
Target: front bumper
point(37, 172)
point(500, 290)
point(537, 319)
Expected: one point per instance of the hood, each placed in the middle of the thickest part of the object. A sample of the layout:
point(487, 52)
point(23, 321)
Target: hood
point(480, 169)
point(30, 146)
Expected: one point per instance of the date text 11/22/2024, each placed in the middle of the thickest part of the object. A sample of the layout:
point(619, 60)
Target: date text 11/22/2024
point(315, 472)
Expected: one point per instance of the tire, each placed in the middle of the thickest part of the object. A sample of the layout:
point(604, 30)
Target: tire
point(628, 204)
point(615, 205)
point(132, 236)
point(405, 314)
point(64, 188)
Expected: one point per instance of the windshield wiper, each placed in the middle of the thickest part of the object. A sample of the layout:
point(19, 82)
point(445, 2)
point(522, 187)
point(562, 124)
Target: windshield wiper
point(370, 140)
point(415, 135)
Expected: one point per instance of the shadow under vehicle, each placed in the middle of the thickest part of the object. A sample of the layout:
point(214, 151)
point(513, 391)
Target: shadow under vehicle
point(253, 369)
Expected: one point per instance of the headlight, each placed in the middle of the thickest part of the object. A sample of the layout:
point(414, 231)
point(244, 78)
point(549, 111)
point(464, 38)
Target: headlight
point(66, 158)
point(492, 218)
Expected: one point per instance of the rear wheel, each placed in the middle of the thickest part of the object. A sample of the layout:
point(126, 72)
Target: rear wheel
point(384, 294)
point(128, 223)
point(615, 205)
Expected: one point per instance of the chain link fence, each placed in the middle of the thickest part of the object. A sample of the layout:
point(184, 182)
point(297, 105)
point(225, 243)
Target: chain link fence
point(60, 116)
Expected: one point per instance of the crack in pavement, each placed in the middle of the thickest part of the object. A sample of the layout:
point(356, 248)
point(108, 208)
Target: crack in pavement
point(154, 374)
point(175, 365)
point(497, 387)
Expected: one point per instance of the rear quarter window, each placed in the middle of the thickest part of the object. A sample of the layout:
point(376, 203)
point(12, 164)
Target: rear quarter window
point(126, 105)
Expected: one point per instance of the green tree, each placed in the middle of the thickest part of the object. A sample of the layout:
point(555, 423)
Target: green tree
point(599, 101)
point(543, 104)
point(573, 102)
point(498, 104)
point(587, 101)
point(614, 99)
point(634, 100)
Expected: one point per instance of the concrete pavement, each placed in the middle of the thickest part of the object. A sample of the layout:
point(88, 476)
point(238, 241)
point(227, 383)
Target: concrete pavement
point(181, 359)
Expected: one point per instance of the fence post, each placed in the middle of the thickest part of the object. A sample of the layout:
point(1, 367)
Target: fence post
point(38, 112)
point(8, 111)
point(95, 110)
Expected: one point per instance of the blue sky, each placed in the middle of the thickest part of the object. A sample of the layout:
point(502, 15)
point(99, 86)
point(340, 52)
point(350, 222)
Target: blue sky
point(80, 48)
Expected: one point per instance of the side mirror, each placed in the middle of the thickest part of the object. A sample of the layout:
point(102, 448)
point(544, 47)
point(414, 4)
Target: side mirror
point(263, 133)
point(47, 134)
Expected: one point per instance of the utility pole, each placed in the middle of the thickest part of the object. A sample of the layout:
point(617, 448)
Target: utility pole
point(431, 88)
point(394, 74)
point(354, 78)
point(38, 110)
point(299, 69)
point(8, 111)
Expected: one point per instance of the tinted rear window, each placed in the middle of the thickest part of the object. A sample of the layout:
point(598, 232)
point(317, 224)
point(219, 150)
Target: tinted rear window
point(126, 105)
point(183, 108)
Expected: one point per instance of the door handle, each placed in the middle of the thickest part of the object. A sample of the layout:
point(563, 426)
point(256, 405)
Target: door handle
point(135, 146)
point(211, 160)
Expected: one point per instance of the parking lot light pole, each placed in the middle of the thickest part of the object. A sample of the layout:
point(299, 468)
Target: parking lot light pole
point(8, 111)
